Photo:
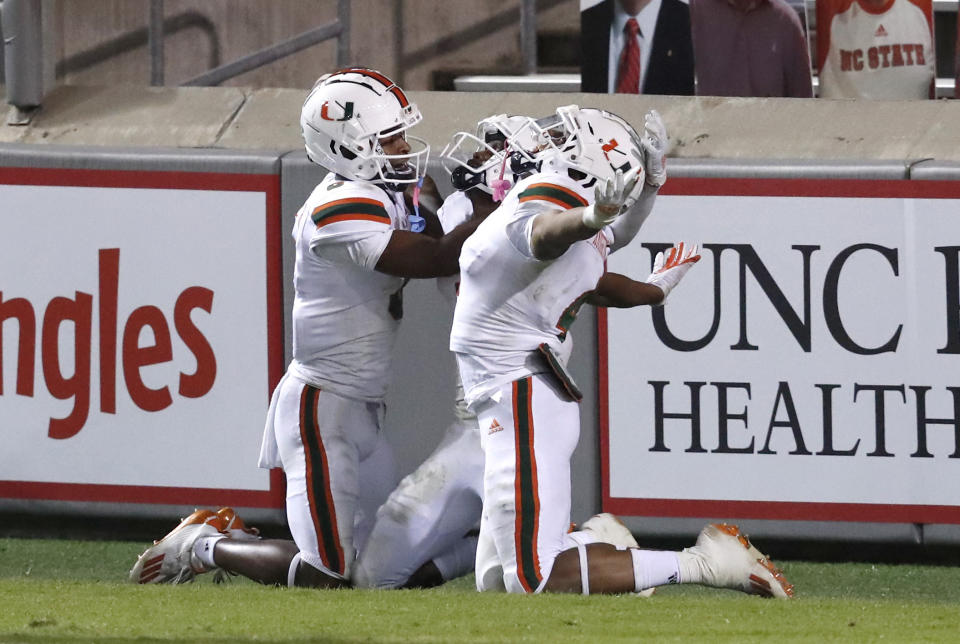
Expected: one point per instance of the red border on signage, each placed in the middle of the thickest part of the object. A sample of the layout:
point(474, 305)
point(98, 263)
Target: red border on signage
point(729, 187)
point(269, 184)
point(720, 508)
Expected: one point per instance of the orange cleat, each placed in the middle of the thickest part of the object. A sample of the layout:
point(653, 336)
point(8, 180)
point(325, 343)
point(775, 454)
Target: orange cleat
point(233, 526)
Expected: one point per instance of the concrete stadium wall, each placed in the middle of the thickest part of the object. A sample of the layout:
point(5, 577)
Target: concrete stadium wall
point(232, 130)
point(105, 41)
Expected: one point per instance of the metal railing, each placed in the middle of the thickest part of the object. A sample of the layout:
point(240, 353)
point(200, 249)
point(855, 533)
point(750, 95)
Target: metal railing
point(339, 29)
point(528, 35)
point(24, 63)
point(3, 73)
point(23, 56)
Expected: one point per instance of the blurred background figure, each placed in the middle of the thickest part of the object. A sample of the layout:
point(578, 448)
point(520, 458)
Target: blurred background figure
point(749, 48)
point(636, 47)
point(881, 49)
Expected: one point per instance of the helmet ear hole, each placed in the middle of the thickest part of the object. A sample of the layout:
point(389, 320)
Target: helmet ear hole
point(347, 154)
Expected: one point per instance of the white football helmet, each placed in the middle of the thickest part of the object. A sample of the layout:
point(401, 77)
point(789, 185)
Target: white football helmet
point(345, 116)
point(592, 143)
point(500, 151)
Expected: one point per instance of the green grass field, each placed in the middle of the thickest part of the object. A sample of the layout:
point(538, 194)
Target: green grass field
point(75, 591)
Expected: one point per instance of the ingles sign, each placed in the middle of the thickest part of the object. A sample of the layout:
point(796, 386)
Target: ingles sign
point(140, 317)
point(808, 367)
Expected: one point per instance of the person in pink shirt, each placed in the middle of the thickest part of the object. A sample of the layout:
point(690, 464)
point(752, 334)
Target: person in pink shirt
point(749, 48)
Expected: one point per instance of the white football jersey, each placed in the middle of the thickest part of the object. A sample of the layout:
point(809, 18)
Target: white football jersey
point(456, 209)
point(510, 302)
point(879, 54)
point(343, 331)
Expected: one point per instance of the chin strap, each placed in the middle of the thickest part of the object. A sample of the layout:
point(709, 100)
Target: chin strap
point(417, 223)
point(501, 186)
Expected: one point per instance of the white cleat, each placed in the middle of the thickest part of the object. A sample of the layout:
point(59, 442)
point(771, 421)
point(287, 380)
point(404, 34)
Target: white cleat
point(725, 558)
point(609, 529)
point(171, 560)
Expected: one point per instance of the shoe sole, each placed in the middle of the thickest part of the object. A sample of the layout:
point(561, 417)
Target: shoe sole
point(768, 580)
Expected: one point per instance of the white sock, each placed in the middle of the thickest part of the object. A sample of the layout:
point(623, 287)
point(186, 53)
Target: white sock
point(203, 549)
point(654, 568)
point(580, 540)
point(690, 572)
point(459, 560)
point(292, 570)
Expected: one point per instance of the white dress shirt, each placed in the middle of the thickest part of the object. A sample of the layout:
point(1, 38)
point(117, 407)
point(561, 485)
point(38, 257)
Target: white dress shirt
point(647, 21)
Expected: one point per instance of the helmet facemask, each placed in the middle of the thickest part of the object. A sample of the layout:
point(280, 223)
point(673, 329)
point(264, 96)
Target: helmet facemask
point(489, 160)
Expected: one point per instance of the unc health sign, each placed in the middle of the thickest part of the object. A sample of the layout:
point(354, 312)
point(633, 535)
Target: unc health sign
point(140, 317)
point(808, 367)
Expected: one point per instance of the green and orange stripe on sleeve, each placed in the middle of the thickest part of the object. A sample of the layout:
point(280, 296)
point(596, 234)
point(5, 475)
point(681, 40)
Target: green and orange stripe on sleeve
point(552, 193)
point(350, 209)
point(527, 494)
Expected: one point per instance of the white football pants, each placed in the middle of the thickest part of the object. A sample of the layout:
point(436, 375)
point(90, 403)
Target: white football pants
point(429, 513)
point(339, 470)
point(528, 438)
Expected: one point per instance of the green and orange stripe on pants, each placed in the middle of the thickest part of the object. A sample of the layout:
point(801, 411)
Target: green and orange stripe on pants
point(527, 498)
point(322, 510)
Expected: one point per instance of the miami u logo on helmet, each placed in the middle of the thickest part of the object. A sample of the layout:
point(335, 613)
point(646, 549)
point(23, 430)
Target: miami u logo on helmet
point(608, 147)
point(347, 112)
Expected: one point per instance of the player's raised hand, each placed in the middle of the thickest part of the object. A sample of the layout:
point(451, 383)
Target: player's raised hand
point(654, 142)
point(667, 272)
point(609, 198)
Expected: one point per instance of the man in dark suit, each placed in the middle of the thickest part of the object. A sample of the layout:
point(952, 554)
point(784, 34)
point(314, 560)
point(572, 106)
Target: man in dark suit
point(666, 59)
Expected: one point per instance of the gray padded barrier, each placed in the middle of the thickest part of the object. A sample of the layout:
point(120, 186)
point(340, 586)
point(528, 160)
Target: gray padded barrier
point(940, 535)
point(146, 159)
point(106, 510)
point(786, 169)
point(933, 170)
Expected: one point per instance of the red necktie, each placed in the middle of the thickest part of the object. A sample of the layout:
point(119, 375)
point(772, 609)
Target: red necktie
point(628, 73)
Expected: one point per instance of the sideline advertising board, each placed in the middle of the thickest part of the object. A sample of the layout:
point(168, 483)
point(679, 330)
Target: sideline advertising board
point(808, 367)
point(141, 332)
